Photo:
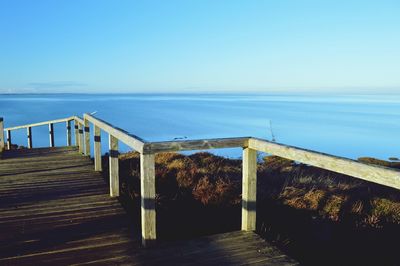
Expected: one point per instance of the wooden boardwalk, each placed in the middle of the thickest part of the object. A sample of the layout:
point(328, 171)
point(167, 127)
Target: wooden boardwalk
point(56, 210)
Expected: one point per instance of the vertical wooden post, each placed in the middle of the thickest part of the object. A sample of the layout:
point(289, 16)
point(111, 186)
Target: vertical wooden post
point(76, 127)
point(87, 137)
point(114, 166)
point(29, 135)
point(51, 134)
point(80, 136)
point(9, 139)
point(148, 195)
point(249, 189)
point(1, 134)
point(68, 125)
point(97, 149)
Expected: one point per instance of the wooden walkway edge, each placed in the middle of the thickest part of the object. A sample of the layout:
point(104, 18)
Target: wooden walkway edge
point(56, 210)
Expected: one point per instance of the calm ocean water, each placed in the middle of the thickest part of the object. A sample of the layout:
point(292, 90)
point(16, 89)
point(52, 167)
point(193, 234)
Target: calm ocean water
point(345, 125)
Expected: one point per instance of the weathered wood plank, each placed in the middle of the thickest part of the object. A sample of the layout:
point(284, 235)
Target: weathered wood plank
point(132, 141)
point(38, 161)
point(97, 149)
point(377, 174)
point(80, 138)
point(114, 166)
point(41, 123)
point(79, 120)
point(87, 137)
point(148, 197)
point(76, 133)
point(2, 146)
point(52, 207)
point(9, 139)
point(51, 134)
point(68, 127)
point(202, 144)
point(37, 153)
point(29, 136)
point(43, 208)
point(249, 187)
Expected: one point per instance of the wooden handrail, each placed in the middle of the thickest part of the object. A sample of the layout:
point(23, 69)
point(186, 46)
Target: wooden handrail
point(132, 141)
point(2, 147)
point(79, 120)
point(190, 145)
point(28, 127)
point(373, 173)
point(41, 123)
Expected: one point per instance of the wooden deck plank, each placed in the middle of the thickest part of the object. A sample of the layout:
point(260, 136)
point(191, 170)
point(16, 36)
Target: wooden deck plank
point(56, 210)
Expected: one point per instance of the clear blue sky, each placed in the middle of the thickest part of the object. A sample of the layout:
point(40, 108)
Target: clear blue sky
point(188, 45)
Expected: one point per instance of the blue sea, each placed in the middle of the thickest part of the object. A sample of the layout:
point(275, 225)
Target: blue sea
point(345, 125)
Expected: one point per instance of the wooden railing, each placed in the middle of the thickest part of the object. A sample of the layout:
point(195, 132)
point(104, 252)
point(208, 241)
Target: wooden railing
point(29, 127)
point(1, 134)
point(377, 174)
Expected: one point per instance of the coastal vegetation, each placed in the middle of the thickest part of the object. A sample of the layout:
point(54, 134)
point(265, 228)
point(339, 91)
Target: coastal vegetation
point(313, 214)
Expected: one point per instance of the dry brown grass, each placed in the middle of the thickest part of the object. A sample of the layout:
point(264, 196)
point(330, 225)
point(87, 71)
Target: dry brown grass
point(381, 162)
point(200, 194)
point(216, 181)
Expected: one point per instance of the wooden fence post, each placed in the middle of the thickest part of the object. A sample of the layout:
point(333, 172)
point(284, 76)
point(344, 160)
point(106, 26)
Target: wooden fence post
point(51, 134)
point(1, 134)
point(148, 193)
point(9, 139)
point(249, 189)
point(68, 125)
point(114, 166)
point(87, 137)
point(97, 149)
point(76, 127)
point(80, 137)
point(29, 135)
